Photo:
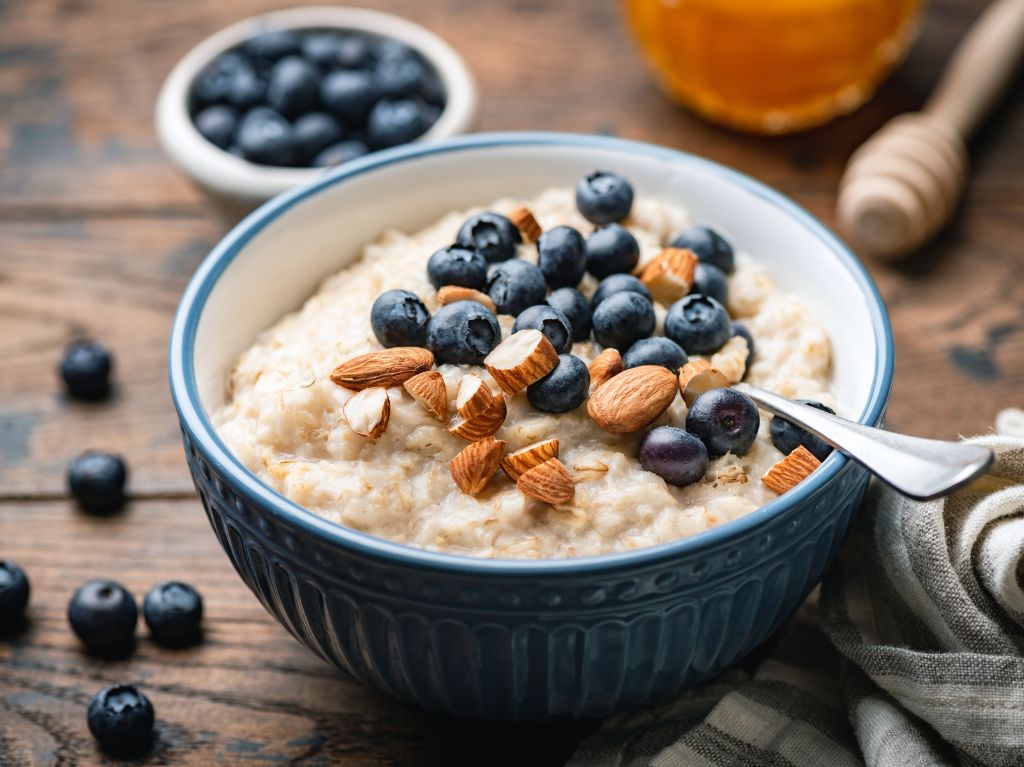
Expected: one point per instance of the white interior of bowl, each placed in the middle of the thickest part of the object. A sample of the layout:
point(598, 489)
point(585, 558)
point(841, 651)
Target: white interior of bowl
point(282, 264)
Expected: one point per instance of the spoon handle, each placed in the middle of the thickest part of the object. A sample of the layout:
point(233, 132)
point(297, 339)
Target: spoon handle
point(919, 468)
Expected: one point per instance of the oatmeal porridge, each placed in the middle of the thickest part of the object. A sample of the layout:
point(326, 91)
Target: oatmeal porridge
point(432, 461)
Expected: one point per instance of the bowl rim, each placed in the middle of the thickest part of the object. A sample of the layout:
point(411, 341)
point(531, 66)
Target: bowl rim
point(200, 430)
point(217, 169)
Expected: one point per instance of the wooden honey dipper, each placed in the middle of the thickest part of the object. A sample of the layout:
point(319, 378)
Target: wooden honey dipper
point(902, 185)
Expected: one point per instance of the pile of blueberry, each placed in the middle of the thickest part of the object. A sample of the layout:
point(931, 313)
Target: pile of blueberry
point(315, 97)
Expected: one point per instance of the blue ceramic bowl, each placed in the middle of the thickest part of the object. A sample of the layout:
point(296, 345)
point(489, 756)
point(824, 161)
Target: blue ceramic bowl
point(509, 639)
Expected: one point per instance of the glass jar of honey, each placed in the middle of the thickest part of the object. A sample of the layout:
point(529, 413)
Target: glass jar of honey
point(772, 66)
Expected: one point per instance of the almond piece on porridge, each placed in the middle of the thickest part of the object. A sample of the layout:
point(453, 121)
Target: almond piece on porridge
point(605, 365)
point(521, 461)
point(633, 399)
point(449, 294)
point(525, 222)
point(473, 468)
point(429, 390)
point(483, 424)
point(669, 276)
point(791, 470)
point(386, 368)
point(698, 376)
point(548, 482)
point(521, 359)
point(368, 412)
point(474, 396)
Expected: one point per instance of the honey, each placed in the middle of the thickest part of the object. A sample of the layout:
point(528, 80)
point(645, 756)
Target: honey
point(772, 66)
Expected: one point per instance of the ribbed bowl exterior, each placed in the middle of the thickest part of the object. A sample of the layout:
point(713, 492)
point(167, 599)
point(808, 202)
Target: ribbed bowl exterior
point(530, 647)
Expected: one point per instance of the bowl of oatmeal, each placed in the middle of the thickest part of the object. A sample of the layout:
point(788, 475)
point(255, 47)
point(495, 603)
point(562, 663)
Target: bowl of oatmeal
point(489, 499)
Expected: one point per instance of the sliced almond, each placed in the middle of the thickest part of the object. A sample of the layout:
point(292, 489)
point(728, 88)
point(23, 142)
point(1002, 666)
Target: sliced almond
point(669, 276)
point(473, 468)
point(791, 470)
point(521, 359)
point(483, 424)
point(387, 368)
point(474, 396)
point(449, 294)
point(524, 221)
point(548, 482)
point(605, 365)
point(516, 464)
point(368, 412)
point(698, 376)
point(429, 390)
point(633, 399)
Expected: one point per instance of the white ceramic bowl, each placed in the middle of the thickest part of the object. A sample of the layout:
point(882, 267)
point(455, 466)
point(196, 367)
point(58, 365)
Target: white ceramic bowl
point(248, 184)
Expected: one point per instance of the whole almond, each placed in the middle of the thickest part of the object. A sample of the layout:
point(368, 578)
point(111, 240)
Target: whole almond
point(791, 470)
point(605, 365)
point(449, 294)
point(429, 390)
point(698, 376)
point(516, 464)
point(633, 399)
point(368, 412)
point(521, 359)
point(483, 424)
point(525, 222)
point(387, 368)
point(548, 482)
point(473, 468)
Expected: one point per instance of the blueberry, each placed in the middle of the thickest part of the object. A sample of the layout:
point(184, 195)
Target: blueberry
point(121, 719)
point(574, 306)
point(725, 420)
point(294, 86)
point(698, 323)
point(433, 91)
point(711, 281)
point(515, 285)
point(85, 369)
point(399, 318)
point(213, 83)
point(549, 321)
point(265, 137)
point(349, 95)
point(492, 234)
point(562, 256)
point(217, 124)
point(14, 590)
point(787, 436)
point(563, 389)
point(456, 265)
point(321, 48)
point(354, 52)
point(273, 44)
point(400, 74)
point(173, 612)
point(611, 250)
point(103, 615)
point(604, 197)
point(339, 153)
point(618, 283)
point(97, 481)
point(463, 333)
point(675, 455)
point(395, 121)
point(739, 329)
point(246, 88)
point(656, 350)
point(709, 246)
point(314, 132)
point(623, 319)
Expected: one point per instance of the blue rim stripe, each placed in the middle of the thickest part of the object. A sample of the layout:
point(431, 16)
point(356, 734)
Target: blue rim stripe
point(185, 393)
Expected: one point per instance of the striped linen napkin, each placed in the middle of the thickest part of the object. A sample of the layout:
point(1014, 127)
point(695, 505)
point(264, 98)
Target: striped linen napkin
point(914, 654)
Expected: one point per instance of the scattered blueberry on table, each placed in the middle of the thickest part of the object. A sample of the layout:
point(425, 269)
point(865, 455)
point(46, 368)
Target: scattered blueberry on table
point(103, 615)
point(787, 436)
point(14, 593)
point(121, 718)
point(725, 420)
point(315, 97)
point(173, 612)
point(85, 369)
point(96, 480)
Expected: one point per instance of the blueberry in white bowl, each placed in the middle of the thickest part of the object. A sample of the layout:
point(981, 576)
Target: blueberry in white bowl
point(515, 285)
point(622, 319)
point(549, 321)
point(604, 197)
point(457, 265)
point(463, 332)
point(711, 281)
point(574, 305)
point(490, 234)
point(611, 250)
point(618, 283)
point(698, 323)
point(399, 318)
point(563, 389)
point(725, 420)
point(675, 455)
point(656, 350)
point(787, 436)
point(709, 246)
point(562, 256)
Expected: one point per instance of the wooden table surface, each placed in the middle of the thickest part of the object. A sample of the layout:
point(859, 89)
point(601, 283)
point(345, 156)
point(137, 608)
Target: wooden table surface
point(98, 235)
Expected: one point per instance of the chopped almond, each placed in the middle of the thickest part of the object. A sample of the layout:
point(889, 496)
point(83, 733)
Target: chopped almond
point(483, 424)
point(698, 376)
point(449, 294)
point(368, 412)
point(429, 390)
point(521, 359)
point(791, 470)
point(474, 396)
point(669, 276)
point(516, 464)
point(525, 222)
point(548, 482)
point(473, 468)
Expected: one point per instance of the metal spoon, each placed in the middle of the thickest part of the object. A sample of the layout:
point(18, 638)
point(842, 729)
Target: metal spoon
point(919, 468)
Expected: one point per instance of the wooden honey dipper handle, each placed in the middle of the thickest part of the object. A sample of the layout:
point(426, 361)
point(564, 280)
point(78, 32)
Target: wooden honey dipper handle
point(903, 184)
